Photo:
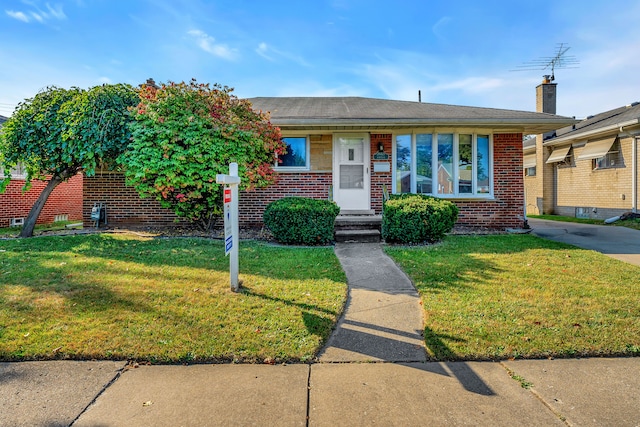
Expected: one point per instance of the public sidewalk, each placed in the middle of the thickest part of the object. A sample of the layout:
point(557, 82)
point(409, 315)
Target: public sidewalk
point(382, 325)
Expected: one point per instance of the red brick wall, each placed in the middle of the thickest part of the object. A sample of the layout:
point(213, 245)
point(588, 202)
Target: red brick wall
point(507, 208)
point(66, 199)
point(124, 206)
point(307, 184)
point(380, 179)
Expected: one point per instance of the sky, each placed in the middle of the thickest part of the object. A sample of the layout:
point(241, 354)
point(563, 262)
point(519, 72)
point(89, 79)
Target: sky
point(460, 52)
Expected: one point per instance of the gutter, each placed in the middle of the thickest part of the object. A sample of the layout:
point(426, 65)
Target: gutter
point(590, 134)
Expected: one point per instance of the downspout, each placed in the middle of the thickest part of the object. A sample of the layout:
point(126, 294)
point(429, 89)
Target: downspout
point(634, 171)
point(634, 175)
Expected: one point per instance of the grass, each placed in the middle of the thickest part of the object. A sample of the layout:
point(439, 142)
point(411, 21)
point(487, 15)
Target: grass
point(164, 300)
point(630, 223)
point(39, 229)
point(519, 296)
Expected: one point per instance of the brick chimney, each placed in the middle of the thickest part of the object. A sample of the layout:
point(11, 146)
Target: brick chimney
point(546, 172)
point(546, 96)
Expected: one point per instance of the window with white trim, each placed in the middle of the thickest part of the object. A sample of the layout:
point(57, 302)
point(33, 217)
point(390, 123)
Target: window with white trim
point(613, 158)
point(443, 164)
point(297, 155)
point(18, 172)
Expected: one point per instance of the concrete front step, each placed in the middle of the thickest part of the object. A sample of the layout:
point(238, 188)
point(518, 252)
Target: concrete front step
point(360, 227)
point(358, 222)
point(357, 236)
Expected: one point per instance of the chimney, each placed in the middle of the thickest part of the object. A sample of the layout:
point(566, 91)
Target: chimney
point(546, 96)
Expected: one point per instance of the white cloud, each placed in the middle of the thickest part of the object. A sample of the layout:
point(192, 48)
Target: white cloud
point(56, 12)
point(209, 45)
point(269, 53)
point(20, 16)
point(37, 14)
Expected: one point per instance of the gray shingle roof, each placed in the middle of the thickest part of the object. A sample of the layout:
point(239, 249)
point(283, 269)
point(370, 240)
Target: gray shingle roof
point(372, 113)
point(600, 123)
point(3, 119)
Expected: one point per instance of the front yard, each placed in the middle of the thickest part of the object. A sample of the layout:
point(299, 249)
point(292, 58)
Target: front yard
point(164, 300)
point(124, 296)
point(512, 296)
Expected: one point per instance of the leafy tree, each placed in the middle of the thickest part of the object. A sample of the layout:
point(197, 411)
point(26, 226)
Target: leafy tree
point(61, 132)
point(184, 134)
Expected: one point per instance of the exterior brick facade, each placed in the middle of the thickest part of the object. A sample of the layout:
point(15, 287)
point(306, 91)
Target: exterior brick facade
point(124, 206)
point(506, 210)
point(66, 199)
point(575, 188)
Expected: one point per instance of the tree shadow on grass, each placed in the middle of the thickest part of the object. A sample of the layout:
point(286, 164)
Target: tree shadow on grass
point(318, 321)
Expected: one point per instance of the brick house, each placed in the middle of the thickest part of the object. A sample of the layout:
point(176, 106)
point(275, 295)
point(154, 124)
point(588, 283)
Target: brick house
point(64, 203)
point(350, 149)
point(586, 170)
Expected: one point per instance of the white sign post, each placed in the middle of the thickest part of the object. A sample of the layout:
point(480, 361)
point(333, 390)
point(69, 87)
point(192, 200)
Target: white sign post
point(231, 229)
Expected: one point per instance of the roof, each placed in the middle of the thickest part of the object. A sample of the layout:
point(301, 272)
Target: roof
point(599, 125)
point(371, 113)
point(3, 119)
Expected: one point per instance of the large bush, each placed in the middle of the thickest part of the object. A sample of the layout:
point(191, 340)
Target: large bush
point(417, 218)
point(300, 220)
point(184, 134)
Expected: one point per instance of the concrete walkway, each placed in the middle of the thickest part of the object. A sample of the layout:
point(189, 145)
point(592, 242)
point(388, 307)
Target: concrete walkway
point(383, 319)
point(382, 322)
point(617, 242)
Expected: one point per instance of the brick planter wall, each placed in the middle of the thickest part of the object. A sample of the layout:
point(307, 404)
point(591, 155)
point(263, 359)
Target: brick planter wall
point(66, 199)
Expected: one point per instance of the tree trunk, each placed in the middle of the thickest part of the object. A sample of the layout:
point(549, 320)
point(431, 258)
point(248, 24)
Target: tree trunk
point(34, 213)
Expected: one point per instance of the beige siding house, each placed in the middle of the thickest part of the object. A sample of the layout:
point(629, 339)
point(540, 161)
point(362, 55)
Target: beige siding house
point(586, 170)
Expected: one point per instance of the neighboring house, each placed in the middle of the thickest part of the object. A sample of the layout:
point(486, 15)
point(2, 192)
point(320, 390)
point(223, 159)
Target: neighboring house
point(352, 149)
point(64, 203)
point(586, 170)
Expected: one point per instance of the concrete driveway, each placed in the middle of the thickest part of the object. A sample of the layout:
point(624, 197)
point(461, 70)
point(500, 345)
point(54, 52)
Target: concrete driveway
point(617, 242)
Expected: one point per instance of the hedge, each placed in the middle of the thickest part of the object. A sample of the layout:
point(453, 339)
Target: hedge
point(300, 220)
point(417, 218)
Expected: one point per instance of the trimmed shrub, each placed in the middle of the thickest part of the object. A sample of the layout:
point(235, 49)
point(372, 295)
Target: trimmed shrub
point(300, 220)
point(417, 218)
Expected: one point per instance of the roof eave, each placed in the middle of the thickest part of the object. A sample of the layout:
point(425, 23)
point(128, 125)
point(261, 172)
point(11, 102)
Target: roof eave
point(591, 133)
point(527, 126)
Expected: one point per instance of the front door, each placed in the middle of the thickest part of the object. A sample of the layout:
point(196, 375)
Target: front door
point(351, 171)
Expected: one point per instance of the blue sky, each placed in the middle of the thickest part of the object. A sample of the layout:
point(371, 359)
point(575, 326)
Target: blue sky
point(455, 52)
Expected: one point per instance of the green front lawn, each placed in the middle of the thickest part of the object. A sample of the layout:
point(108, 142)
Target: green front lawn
point(512, 296)
point(630, 223)
point(164, 300)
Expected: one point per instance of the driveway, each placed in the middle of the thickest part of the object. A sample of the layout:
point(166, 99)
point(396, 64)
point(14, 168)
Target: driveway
point(617, 242)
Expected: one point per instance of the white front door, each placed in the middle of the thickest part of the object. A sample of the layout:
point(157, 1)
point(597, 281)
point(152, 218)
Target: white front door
point(351, 171)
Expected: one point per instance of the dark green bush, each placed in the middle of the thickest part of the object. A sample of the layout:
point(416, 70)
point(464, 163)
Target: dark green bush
point(300, 220)
point(417, 218)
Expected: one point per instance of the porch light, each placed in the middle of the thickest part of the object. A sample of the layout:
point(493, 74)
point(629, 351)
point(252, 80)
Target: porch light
point(380, 147)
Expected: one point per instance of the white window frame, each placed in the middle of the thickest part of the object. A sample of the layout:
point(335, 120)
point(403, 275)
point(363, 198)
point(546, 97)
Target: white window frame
point(307, 166)
point(434, 164)
point(611, 160)
point(18, 172)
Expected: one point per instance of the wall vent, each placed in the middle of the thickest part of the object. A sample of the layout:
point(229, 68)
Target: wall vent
point(583, 213)
point(16, 222)
point(60, 218)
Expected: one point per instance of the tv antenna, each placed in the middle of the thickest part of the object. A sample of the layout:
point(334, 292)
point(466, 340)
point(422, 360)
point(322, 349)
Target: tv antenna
point(560, 61)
